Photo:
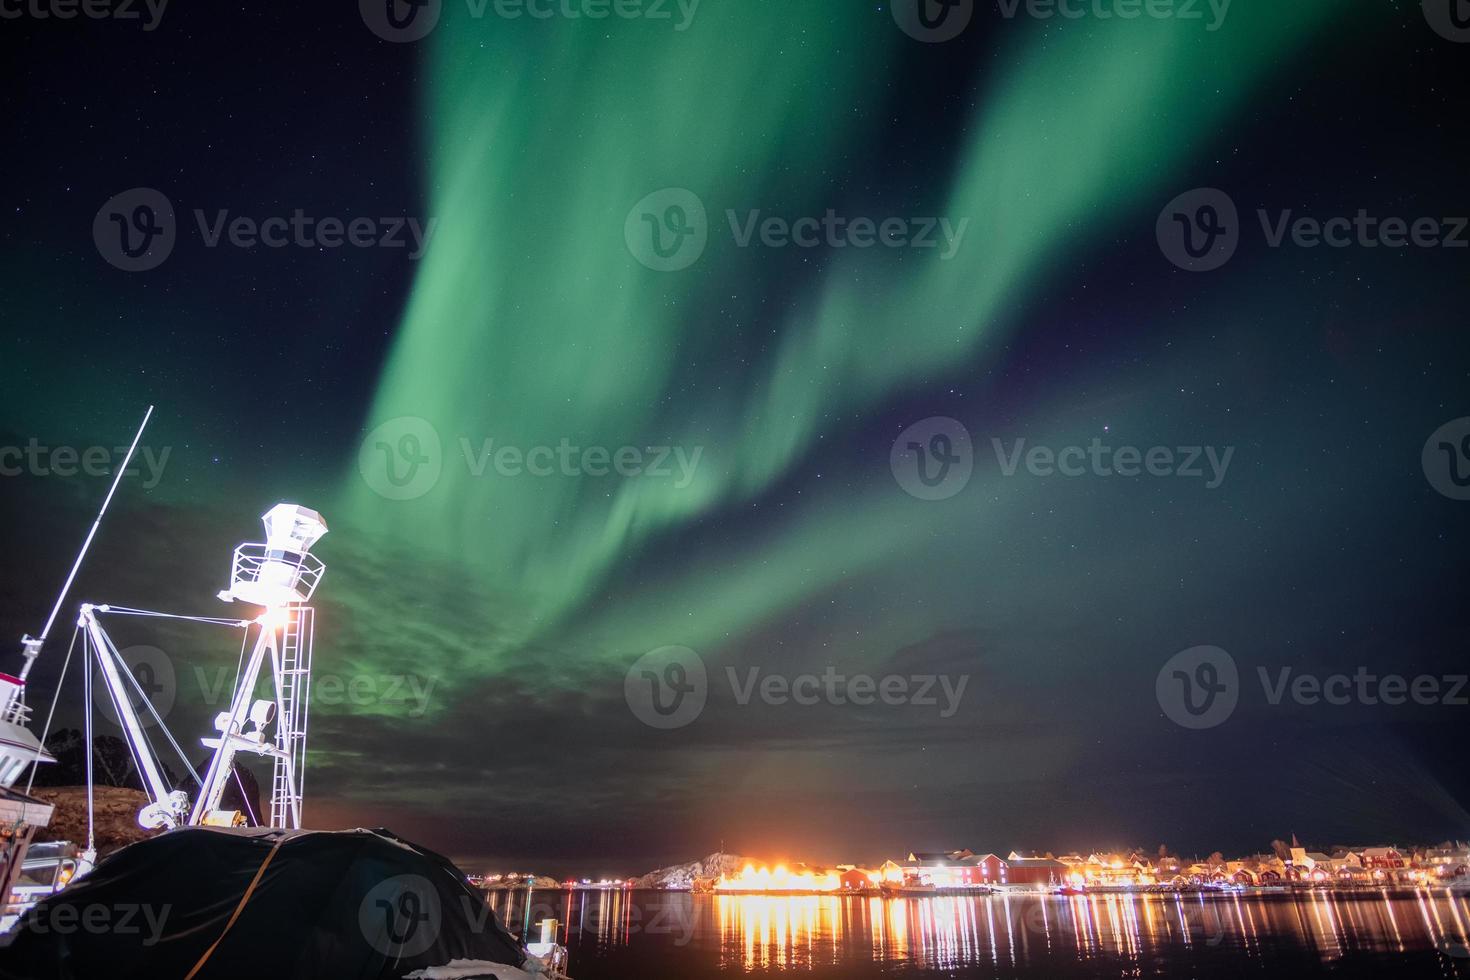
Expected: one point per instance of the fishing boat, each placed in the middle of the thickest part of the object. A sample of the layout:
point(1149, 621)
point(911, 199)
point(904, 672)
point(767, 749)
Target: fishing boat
point(21, 750)
point(280, 898)
point(901, 890)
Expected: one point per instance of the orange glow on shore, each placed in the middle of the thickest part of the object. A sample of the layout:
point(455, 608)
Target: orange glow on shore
point(779, 879)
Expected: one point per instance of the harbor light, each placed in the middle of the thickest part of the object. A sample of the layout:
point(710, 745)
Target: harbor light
point(779, 879)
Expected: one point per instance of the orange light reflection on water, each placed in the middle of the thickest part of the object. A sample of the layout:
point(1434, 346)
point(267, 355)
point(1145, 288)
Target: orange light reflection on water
point(768, 932)
point(790, 932)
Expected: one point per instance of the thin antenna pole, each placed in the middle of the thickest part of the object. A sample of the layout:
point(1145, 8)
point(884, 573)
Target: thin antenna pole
point(33, 646)
point(87, 695)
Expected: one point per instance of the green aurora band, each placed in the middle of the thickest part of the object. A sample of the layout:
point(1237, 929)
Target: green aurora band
point(530, 322)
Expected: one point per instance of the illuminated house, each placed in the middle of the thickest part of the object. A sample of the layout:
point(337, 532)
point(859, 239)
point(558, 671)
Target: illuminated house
point(1240, 873)
point(1349, 866)
point(1271, 871)
point(1314, 865)
point(994, 870)
point(1449, 860)
point(1383, 859)
point(1203, 873)
point(949, 869)
point(1036, 872)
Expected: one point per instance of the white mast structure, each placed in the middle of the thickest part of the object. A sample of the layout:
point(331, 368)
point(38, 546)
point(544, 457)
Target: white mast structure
point(19, 748)
point(279, 575)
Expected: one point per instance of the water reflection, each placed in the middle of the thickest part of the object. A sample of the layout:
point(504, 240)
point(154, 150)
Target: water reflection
point(778, 933)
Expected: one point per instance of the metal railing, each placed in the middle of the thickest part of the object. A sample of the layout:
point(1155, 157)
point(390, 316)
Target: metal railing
point(256, 565)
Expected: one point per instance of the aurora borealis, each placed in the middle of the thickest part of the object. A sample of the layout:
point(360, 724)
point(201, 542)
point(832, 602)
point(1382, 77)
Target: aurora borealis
point(531, 335)
point(785, 375)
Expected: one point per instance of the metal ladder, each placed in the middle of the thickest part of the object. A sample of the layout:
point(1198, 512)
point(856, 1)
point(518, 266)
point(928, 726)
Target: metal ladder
point(286, 791)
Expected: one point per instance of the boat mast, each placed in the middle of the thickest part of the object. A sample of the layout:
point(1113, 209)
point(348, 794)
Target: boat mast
point(14, 709)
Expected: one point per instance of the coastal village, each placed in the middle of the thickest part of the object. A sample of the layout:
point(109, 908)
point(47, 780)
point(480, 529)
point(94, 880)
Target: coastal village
point(1288, 865)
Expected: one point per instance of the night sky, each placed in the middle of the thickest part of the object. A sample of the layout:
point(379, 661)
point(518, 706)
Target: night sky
point(520, 602)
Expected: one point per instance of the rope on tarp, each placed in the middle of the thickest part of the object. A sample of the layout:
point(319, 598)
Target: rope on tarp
point(238, 909)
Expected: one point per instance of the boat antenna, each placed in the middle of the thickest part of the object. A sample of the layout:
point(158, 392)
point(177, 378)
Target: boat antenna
point(31, 645)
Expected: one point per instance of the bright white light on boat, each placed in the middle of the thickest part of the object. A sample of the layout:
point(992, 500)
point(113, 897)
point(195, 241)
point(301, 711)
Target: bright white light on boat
point(275, 618)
